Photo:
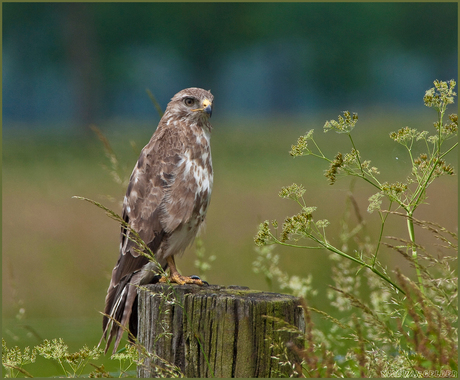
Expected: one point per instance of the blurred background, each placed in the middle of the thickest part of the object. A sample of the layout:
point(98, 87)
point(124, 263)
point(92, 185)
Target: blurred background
point(276, 70)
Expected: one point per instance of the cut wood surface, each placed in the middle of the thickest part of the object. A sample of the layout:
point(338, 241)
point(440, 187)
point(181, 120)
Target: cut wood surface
point(216, 331)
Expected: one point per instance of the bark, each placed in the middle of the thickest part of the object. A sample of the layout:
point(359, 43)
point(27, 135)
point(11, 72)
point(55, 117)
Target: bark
point(213, 331)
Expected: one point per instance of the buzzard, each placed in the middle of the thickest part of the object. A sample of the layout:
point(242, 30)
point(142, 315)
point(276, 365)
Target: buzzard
point(166, 201)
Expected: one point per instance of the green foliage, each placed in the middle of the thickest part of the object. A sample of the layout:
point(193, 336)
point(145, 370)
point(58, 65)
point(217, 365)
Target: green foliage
point(389, 326)
point(407, 196)
point(73, 364)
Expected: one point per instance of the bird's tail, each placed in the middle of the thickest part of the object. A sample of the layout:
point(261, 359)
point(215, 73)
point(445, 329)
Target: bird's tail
point(120, 302)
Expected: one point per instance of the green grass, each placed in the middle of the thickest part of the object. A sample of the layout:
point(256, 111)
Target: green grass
point(58, 252)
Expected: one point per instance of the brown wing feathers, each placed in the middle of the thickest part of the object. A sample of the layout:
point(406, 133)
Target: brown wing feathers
point(141, 211)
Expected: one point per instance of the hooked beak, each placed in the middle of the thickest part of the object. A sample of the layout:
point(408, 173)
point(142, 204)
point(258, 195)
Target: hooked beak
point(206, 106)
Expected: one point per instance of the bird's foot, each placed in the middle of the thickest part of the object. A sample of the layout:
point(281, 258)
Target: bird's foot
point(194, 277)
point(181, 280)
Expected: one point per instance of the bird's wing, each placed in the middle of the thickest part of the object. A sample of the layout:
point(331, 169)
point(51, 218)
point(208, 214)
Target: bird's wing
point(143, 210)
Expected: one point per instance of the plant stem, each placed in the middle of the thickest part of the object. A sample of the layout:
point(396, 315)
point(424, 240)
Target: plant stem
point(422, 188)
point(331, 248)
point(410, 228)
point(319, 150)
point(449, 150)
point(382, 226)
point(364, 264)
point(357, 155)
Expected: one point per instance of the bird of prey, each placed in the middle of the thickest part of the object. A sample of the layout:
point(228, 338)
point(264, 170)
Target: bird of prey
point(166, 202)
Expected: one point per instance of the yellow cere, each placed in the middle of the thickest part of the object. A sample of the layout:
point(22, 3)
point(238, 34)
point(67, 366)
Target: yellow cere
point(206, 103)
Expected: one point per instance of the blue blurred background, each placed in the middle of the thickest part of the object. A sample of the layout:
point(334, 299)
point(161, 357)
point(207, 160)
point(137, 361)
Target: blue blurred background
point(275, 69)
point(80, 63)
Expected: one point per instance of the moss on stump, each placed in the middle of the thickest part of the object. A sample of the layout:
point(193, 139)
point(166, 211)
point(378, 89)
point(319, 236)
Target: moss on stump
point(214, 331)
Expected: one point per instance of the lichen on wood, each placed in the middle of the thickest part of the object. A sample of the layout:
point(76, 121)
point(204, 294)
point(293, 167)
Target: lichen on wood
point(213, 331)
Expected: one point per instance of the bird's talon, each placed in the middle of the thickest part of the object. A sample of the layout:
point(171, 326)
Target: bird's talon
point(195, 277)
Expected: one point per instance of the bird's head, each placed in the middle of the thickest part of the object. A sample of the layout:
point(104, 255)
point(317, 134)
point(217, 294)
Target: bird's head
point(193, 103)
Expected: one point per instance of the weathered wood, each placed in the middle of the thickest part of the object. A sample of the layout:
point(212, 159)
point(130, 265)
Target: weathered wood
point(213, 331)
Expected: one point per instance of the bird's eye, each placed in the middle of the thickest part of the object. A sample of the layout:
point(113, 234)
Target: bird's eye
point(189, 102)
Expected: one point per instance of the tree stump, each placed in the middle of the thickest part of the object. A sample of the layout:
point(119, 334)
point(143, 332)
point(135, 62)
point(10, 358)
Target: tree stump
point(213, 331)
